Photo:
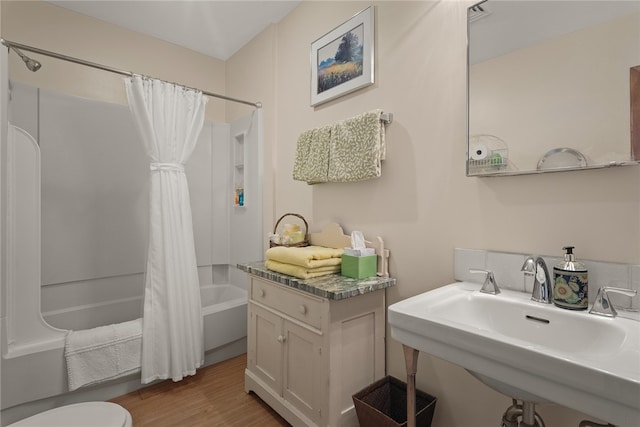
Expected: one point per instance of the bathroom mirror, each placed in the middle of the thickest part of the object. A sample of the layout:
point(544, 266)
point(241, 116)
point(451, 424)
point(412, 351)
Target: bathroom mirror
point(550, 85)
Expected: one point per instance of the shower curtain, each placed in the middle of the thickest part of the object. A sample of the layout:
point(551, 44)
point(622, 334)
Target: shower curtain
point(169, 119)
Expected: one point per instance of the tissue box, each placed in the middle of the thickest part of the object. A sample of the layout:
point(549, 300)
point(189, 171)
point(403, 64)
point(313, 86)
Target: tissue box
point(359, 252)
point(359, 267)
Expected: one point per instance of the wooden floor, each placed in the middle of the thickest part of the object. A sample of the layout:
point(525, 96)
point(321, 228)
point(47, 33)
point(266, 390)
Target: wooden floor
point(215, 396)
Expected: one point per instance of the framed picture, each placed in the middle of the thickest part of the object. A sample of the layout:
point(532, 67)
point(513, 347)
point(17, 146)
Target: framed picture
point(342, 59)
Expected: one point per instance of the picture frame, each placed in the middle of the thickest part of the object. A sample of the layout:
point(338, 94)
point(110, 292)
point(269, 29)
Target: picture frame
point(342, 61)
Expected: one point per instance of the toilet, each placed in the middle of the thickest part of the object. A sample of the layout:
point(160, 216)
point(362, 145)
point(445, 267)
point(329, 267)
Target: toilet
point(94, 414)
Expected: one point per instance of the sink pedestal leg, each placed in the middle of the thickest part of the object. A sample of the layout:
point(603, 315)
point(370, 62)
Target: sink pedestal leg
point(528, 414)
point(411, 363)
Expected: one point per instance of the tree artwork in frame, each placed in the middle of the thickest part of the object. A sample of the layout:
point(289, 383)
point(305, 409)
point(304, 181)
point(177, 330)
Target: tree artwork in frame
point(342, 59)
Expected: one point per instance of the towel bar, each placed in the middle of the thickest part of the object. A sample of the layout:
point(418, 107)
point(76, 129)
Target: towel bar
point(386, 117)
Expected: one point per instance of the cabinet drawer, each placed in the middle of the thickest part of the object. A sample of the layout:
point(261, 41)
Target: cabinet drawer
point(305, 308)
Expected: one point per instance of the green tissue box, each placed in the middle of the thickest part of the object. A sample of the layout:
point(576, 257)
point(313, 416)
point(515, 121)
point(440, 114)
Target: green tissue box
point(359, 267)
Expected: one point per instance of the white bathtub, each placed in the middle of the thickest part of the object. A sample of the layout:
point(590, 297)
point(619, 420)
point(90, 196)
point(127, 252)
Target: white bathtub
point(225, 328)
point(224, 311)
point(215, 300)
point(221, 297)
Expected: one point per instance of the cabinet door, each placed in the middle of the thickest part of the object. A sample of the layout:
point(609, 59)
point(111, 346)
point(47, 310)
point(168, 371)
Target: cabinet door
point(303, 385)
point(265, 347)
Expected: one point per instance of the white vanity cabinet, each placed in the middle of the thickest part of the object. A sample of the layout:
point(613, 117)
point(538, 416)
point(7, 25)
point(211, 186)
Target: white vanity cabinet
point(307, 354)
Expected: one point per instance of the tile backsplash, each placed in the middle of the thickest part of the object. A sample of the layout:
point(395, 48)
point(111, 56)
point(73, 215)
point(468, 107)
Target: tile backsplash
point(506, 269)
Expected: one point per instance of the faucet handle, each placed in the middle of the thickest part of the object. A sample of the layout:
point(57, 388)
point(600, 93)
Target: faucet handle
point(489, 286)
point(602, 306)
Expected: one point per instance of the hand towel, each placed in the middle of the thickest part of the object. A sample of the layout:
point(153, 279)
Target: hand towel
point(312, 156)
point(308, 256)
point(357, 147)
point(301, 272)
point(103, 353)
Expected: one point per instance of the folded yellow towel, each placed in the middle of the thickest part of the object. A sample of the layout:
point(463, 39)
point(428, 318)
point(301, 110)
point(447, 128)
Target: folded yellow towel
point(307, 256)
point(299, 271)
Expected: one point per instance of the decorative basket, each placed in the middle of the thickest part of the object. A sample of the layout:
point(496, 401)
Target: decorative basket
point(304, 242)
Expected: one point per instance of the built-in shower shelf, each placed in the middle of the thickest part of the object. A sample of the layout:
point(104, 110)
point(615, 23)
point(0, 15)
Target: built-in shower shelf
point(238, 170)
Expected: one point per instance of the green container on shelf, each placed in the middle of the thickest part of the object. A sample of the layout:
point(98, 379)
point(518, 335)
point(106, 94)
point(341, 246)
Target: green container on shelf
point(359, 267)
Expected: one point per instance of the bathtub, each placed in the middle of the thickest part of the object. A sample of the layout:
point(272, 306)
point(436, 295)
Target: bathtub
point(221, 303)
point(224, 311)
point(43, 368)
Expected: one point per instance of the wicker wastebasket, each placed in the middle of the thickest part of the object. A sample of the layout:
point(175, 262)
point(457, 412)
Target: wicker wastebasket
point(384, 404)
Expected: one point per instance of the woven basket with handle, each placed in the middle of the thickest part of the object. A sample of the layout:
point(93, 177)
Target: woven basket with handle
point(303, 243)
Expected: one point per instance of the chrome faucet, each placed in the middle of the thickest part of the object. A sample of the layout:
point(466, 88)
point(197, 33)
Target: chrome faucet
point(489, 286)
point(602, 305)
point(542, 288)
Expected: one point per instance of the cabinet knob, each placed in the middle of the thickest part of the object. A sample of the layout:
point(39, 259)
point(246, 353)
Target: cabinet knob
point(303, 309)
point(261, 292)
point(281, 338)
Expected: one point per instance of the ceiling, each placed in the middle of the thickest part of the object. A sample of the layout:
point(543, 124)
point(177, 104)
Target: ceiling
point(216, 28)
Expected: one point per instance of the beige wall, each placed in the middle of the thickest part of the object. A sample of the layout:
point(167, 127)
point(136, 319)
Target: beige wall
point(423, 205)
point(45, 26)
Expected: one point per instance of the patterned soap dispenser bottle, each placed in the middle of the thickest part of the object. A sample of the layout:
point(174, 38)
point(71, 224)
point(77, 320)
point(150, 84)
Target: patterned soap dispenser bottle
point(570, 283)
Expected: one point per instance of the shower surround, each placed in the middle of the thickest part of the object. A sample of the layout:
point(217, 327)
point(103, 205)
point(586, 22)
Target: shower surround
point(93, 202)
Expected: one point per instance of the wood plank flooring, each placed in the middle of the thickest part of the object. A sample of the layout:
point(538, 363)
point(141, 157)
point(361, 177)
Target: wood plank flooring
point(215, 396)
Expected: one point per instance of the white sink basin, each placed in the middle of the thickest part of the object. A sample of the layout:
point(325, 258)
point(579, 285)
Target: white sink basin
point(527, 350)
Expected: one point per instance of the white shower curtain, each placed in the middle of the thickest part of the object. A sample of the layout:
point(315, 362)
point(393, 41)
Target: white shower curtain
point(169, 119)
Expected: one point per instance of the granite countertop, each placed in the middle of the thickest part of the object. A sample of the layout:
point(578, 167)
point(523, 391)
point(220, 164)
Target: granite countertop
point(331, 286)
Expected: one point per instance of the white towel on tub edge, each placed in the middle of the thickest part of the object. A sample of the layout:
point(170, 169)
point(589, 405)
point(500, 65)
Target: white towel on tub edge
point(103, 353)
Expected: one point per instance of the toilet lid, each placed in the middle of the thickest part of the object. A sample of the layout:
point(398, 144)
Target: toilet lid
point(87, 414)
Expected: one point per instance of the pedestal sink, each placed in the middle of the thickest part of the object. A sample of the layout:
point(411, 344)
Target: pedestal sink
point(528, 350)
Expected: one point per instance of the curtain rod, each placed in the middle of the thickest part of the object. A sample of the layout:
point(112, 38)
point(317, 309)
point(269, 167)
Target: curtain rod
point(11, 44)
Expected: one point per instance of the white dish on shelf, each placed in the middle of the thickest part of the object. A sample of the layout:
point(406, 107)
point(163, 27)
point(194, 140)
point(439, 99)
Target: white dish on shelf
point(559, 158)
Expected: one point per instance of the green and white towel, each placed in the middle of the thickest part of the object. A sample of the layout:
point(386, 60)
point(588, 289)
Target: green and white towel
point(350, 150)
point(357, 148)
point(312, 156)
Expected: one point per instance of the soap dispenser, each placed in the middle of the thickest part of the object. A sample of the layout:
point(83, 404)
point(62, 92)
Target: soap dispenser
point(570, 283)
